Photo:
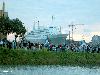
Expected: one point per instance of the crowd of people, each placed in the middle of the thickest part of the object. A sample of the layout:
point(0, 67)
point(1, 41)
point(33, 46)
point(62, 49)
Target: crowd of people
point(74, 48)
point(27, 45)
point(22, 44)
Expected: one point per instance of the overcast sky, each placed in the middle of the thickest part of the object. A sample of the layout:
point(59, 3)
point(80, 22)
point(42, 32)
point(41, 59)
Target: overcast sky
point(65, 12)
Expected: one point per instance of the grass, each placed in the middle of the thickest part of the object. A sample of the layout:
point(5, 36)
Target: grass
point(44, 57)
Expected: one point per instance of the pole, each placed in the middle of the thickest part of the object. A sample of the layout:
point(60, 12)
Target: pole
point(69, 37)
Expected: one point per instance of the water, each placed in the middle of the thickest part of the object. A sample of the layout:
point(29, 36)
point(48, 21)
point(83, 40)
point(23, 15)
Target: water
point(49, 70)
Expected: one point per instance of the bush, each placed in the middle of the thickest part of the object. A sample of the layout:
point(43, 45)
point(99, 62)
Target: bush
point(44, 57)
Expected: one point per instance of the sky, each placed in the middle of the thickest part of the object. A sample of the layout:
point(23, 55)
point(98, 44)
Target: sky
point(65, 12)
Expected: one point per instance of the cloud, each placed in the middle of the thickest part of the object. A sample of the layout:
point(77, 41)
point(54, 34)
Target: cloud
point(91, 30)
point(86, 32)
point(95, 27)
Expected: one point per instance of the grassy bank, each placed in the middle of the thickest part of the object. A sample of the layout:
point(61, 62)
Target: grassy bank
point(43, 57)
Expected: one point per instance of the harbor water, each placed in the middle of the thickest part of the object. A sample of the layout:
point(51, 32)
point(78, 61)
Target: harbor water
point(49, 70)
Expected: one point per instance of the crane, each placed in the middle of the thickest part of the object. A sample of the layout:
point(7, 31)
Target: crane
point(72, 29)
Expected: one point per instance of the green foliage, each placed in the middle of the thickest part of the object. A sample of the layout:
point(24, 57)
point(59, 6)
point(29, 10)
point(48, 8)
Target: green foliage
point(43, 57)
point(18, 26)
point(8, 25)
point(5, 26)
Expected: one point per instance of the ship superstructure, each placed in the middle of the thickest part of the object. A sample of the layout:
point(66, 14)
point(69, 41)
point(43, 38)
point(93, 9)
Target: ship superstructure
point(51, 34)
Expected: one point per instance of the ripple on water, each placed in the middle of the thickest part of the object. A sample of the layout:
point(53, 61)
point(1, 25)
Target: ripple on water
point(49, 70)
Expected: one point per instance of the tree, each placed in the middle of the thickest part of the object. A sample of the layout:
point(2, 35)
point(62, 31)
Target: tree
point(18, 27)
point(8, 25)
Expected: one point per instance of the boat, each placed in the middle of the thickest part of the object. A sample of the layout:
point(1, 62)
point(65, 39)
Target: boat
point(50, 35)
point(44, 35)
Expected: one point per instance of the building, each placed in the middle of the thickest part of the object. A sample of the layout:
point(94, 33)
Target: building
point(96, 40)
point(3, 14)
point(2, 11)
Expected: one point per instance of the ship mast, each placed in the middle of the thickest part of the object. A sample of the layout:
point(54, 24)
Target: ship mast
point(38, 25)
point(34, 25)
point(52, 22)
point(60, 30)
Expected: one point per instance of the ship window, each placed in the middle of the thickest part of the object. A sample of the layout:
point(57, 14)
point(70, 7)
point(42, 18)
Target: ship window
point(50, 27)
point(31, 31)
point(47, 32)
point(41, 31)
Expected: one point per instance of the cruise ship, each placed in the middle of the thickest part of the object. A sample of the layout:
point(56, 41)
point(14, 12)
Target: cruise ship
point(43, 35)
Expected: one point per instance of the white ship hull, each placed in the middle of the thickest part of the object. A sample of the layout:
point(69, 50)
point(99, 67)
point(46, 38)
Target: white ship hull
point(42, 35)
point(53, 39)
point(36, 39)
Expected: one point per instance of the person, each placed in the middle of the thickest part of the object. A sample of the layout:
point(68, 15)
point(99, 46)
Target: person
point(14, 44)
point(1, 43)
point(9, 45)
point(39, 46)
point(50, 47)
